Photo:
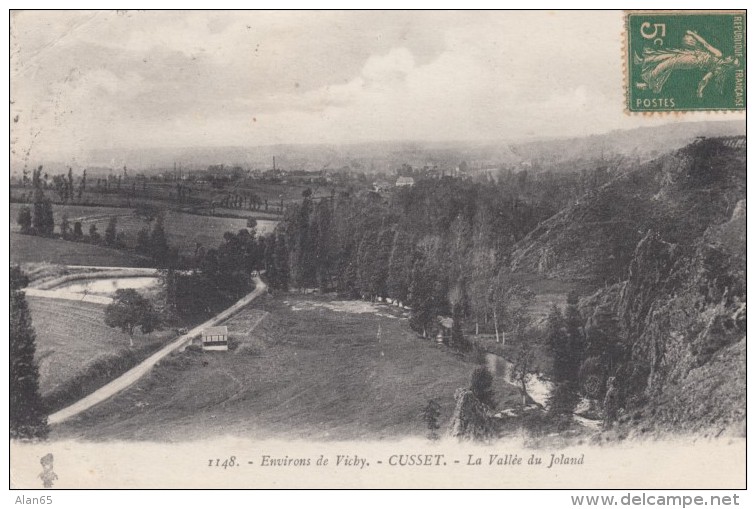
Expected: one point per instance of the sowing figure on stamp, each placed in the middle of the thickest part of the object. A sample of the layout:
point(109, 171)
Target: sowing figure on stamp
point(658, 65)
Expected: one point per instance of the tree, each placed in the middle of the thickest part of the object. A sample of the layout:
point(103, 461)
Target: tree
point(24, 219)
point(563, 397)
point(431, 415)
point(604, 353)
point(558, 343)
point(158, 244)
point(481, 384)
point(483, 265)
point(458, 339)
point(37, 178)
point(509, 305)
point(93, 235)
point(146, 212)
point(302, 243)
point(575, 336)
point(130, 310)
point(64, 226)
point(70, 186)
point(421, 298)
point(143, 240)
point(28, 417)
point(43, 221)
point(496, 300)
point(324, 245)
point(269, 253)
point(82, 184)
point(110, 231)
point(379, 263)
point(281, 261)
point(523, 363)
point(400, 267)
point(170, 281)
point(77, 233)
point(61, 186)
point(367, 263)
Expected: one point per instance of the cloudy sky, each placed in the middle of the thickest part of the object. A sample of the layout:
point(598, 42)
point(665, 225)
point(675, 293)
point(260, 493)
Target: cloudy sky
point(84, 80)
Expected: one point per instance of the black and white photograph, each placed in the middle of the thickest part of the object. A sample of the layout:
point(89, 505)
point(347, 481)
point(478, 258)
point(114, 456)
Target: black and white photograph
point(377, 249)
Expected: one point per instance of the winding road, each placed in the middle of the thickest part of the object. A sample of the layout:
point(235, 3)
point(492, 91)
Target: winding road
point(127, 379)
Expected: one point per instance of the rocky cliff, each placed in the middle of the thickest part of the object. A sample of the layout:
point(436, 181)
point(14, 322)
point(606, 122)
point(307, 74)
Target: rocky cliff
point(668, 244)
point(684, 316)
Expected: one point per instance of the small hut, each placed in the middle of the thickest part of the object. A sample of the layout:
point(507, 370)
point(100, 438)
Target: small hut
point(215, 338)
point(445, 325)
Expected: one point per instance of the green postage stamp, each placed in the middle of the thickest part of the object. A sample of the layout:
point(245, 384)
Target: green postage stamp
point(685, 61)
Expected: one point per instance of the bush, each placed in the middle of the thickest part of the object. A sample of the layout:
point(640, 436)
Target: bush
point(96, 375)
point(481, 384)
point(563, 422)
point(563, 399)
point(478, 355)
point(431, 415)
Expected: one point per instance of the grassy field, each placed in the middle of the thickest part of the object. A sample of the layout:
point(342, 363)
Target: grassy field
point(184, 230)
point(163, 194)
point(31, 249)
point(315, 370)
point(71, 336)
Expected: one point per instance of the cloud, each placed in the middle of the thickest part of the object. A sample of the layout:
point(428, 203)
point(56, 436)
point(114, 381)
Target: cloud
point(395, 65)
point(87, 80)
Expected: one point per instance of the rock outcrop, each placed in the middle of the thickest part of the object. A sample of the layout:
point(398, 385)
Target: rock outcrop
point(667, 243)
point(685, 319)
point(471, 419)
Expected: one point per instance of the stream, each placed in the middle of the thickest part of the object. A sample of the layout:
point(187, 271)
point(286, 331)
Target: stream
point(537, 387)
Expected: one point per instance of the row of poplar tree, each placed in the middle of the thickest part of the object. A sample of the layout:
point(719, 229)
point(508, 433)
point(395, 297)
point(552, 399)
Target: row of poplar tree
point(437, 246)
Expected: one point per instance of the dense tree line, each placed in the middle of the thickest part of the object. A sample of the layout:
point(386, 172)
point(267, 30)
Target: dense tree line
point(440, 247)
point(219, 276)
point(63, 185)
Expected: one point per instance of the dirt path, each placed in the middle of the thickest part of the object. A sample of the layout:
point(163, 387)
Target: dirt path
point(135, 373)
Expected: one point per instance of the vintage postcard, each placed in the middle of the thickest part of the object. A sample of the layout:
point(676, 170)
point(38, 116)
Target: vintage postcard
point(377, 249)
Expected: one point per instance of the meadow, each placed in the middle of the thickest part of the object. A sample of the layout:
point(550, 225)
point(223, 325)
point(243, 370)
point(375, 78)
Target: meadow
point(72, 337)
point(32, 249)
point(325, 372)
point(201, 194)
point(183, 230)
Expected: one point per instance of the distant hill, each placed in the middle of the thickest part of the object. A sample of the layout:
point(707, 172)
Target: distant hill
point(644, 142)
point(385, 157)
point(679, 195)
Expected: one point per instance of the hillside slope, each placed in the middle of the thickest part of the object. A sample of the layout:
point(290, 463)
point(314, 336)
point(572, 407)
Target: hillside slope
point(667, 243)
point(678, 195)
